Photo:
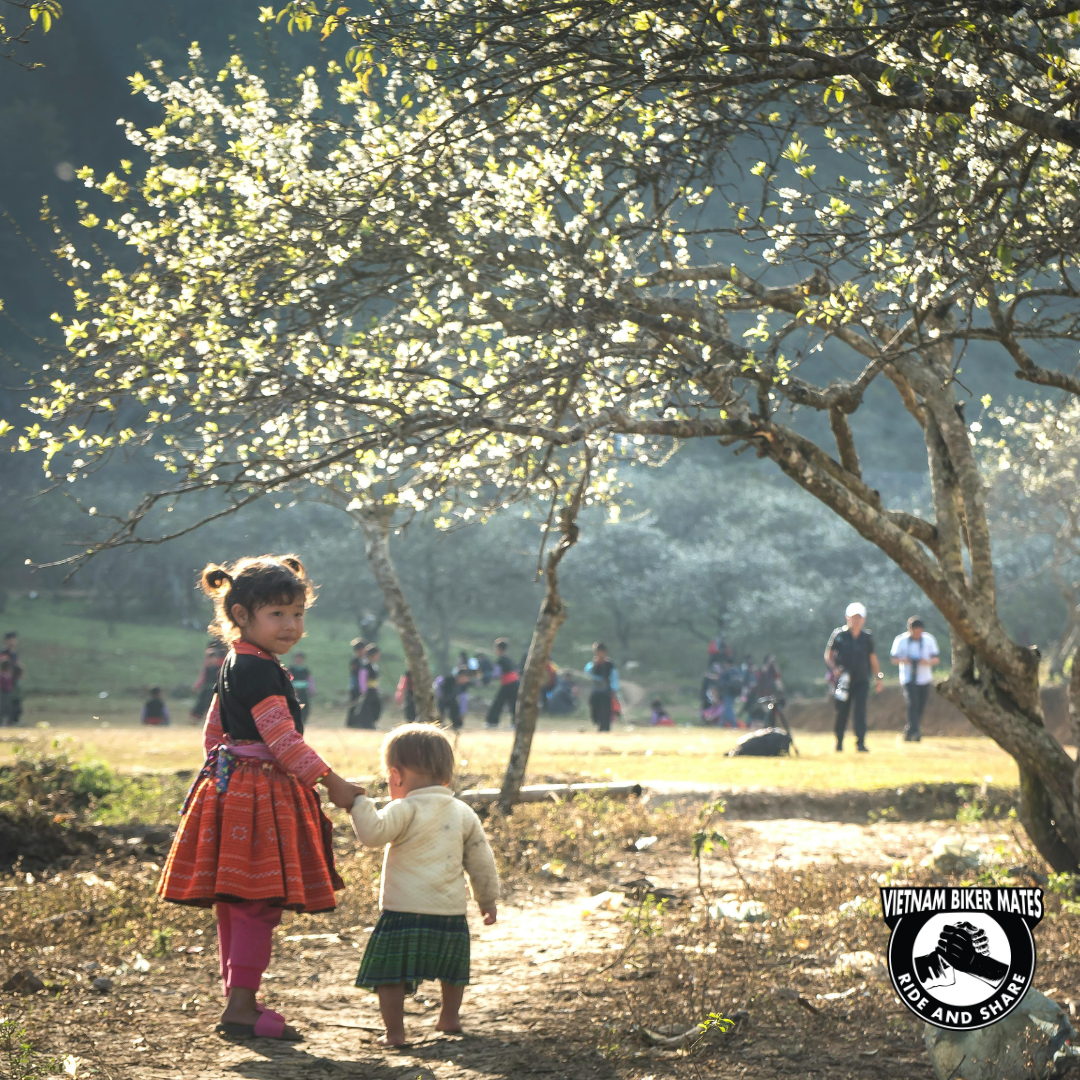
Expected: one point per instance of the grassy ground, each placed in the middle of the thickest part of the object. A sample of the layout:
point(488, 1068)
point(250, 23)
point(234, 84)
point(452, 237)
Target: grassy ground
point(680, 755)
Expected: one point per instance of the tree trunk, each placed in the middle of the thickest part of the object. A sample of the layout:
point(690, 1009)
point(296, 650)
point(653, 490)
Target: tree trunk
point(1047, 773)
point(1074, 717)
point(552, 615)
point(376, 526)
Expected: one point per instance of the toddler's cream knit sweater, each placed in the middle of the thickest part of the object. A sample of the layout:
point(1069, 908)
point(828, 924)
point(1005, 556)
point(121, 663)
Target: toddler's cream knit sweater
point(430, 837)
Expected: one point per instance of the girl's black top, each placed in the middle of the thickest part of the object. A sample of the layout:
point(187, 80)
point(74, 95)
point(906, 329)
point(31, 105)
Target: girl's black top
point(245, 681)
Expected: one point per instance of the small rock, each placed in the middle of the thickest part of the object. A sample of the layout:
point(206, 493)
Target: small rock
point(731, 907)
point(23, 982)
point(102, 984)
point(952, 854)
point(863, 962)
point(1028, 1044)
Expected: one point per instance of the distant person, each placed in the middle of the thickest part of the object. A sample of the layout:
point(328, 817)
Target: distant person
point(7, 685)
point(367, 708)
point(405, 696)
point(358, 646)
point(712, 704)
point(730, 690)
point(660, 716)
point(464, 680)
point(563, 698)
point(768, 683)
point(303, 683)
point(917, 654)
point(485, 667)
point(604, 685)
point(155, 711)
point(747, 672)
point(205, 686)
point(452, 696)
point(505, 671)
point(850, 654)
point(10, 652)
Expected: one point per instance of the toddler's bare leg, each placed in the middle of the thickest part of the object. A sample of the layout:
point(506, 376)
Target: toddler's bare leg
point(450, 1017)
point(392, 1007)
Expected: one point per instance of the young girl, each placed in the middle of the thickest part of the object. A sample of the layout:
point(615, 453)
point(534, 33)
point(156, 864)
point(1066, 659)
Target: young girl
point(253, 839)
point(430, 838)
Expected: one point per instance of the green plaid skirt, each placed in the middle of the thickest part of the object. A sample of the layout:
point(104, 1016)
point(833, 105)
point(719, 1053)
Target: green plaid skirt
point(409, 948)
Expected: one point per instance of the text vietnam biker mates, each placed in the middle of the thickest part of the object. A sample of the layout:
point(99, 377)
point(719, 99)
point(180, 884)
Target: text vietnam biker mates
point(961, 958)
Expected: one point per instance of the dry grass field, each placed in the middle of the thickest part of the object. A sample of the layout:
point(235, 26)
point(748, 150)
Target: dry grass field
point(691, 757)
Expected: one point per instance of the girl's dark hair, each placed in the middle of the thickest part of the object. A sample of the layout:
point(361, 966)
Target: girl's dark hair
point(253, 583)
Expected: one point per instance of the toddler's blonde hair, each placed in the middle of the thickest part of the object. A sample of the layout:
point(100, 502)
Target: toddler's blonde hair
point(423, 748)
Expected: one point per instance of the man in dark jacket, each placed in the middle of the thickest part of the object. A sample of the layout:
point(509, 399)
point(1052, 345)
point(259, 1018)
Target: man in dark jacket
point(851, 657)
point(505, 672)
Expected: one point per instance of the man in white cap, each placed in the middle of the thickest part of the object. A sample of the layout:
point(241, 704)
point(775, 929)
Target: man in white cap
point(850, 655)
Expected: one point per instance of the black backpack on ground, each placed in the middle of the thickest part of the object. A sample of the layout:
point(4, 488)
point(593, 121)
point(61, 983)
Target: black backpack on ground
point(769, 742)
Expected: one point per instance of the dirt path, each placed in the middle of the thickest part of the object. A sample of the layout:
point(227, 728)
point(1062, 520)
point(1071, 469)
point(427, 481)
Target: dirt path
point(527, 1013)
point(519, 979)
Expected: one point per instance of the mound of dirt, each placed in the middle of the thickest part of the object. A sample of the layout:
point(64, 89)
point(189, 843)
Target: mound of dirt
point(888, 712)
point(35, 839)
point(917, 802)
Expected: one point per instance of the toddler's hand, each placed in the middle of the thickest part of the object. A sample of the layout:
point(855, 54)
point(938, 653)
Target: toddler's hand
point(490, 915)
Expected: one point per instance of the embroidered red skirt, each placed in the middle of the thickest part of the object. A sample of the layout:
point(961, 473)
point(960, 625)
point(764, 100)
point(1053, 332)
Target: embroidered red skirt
point(264, 837)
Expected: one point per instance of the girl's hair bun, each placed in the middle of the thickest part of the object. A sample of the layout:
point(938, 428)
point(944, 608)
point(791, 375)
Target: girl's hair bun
point(294, 564)
point(214, 578)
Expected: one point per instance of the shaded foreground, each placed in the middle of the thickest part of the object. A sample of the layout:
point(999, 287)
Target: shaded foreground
point(562, 987)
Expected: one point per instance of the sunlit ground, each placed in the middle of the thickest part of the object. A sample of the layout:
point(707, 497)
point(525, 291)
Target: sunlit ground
point(562, 747)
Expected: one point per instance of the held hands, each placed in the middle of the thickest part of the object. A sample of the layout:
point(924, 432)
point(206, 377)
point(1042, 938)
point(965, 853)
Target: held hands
point(340, 792)
point(490, 915)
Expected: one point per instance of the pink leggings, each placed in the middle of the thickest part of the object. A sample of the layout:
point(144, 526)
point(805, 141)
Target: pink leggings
point(245, 930)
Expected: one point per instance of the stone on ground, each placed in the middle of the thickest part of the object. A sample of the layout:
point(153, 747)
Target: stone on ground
point(1028, 1044)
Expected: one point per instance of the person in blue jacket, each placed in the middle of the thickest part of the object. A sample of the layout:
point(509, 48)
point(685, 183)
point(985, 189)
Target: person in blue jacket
point(604, 685)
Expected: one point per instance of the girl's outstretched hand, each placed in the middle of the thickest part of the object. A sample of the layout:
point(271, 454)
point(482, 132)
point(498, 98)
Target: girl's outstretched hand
point(490, 915)
point(340, 792)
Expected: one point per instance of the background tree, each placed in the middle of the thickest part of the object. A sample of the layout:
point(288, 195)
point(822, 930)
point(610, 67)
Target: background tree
point(560, 291)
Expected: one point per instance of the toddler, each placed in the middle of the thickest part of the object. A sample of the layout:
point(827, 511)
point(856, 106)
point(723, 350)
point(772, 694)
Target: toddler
point(430, 838)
